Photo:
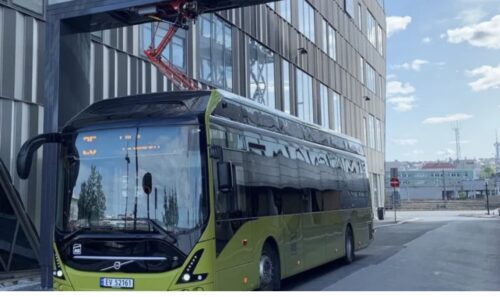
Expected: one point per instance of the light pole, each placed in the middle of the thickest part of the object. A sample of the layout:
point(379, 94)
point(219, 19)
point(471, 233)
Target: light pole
point(300, 51)
point(487, 198)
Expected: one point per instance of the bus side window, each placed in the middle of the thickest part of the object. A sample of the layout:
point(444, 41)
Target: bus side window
point(234, 204)
point(263, 202)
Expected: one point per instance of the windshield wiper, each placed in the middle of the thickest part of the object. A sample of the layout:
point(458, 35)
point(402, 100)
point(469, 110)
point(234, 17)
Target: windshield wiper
point(160, 229)
point(86, 229)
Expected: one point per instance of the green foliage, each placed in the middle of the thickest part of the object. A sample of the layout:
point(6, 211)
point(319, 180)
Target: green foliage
point(92, 202)
point(487, 171)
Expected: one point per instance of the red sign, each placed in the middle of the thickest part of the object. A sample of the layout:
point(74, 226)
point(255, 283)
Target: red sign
point(394, 182)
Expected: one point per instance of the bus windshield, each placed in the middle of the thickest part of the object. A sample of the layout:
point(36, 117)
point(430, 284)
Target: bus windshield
point(103, 186)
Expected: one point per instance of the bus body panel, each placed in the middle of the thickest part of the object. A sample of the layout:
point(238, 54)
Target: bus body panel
point(89, 281)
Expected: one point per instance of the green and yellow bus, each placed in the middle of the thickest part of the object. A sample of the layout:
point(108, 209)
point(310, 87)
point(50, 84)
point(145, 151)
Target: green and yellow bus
point(201, 190)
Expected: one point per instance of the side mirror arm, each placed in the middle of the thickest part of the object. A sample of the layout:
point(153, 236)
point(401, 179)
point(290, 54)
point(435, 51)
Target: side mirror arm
point(25, 155)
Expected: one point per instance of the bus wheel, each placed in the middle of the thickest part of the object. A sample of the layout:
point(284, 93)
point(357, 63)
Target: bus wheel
point(269, 269)
point(349, 246)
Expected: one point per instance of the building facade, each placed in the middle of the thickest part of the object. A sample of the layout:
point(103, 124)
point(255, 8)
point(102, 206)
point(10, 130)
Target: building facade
point(323, 61)
point(435, 181)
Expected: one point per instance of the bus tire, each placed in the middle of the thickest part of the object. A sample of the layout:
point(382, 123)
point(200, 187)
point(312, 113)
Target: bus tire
point(269, 269)
point(350, 254)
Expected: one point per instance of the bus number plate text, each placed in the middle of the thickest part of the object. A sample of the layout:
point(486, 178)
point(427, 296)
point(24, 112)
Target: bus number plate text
point(116, 283)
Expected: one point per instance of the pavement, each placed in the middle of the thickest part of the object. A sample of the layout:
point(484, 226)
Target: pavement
point(423, 251)
point(24, 283)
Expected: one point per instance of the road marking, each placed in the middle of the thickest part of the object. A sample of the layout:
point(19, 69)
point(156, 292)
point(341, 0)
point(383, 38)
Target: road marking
point(398, 223)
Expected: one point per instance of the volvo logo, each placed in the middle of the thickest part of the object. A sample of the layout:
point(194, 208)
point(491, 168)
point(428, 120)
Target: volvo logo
point(117, 265)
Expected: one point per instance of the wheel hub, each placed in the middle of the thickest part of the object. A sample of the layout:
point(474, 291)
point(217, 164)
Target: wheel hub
point(266, 270)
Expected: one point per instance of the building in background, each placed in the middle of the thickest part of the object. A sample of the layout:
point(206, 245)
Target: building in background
point(321, 61)
point(436, 180)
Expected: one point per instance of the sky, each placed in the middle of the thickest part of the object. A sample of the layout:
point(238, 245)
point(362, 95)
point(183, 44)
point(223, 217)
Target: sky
point(443, 71)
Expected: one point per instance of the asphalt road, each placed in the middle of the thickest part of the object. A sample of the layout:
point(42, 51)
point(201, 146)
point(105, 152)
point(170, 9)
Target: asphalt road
point(430, 251)
point(423, 251)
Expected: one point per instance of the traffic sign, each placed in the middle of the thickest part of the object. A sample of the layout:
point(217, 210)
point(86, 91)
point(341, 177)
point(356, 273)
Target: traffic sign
point(395, 182)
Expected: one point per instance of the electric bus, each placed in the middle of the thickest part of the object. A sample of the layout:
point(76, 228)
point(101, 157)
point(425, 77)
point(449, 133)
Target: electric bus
point(201, 190)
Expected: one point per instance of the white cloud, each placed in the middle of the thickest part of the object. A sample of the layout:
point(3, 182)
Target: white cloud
point(448, 118)
point(402, 104)
point(426, 40)
point(446, 153)
point(391, 76)
point(399, 88)
point(485, 34)
point(489, 78)
point(471, 16)
point(410, 141)
point(396, 24)
point(415, 65)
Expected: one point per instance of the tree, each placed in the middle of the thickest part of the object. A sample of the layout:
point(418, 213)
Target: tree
point(92, 201)
point(487, 171)
point(171, 213)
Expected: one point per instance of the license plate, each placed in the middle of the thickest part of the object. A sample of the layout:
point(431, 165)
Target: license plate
point(116, 283)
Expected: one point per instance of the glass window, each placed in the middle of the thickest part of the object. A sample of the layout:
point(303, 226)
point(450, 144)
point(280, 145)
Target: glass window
point(378, 133)
point(371, 28)
point(261, 74)
point(286, 87)
point(329, 39)
point(360, 17)
point(286, 10)
point(175, 50)
point(371, 132)
point(337, 112)
point(324, 105)
point(33, 5)
point(324, 35)
point(306, 19)
point(349, 7)
point(304, 96)
point(361, 70)
point(365, 132)
point(283, 9)
point(371, 78)
point(380, 40)
point(215, 51)
point(332, 43)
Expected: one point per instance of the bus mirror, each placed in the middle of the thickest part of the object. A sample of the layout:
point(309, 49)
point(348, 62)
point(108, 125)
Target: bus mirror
point(225, 176)
point(147, 183)
point(25, 155)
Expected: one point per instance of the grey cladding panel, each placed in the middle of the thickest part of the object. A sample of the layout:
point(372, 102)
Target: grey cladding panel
point(8, 50)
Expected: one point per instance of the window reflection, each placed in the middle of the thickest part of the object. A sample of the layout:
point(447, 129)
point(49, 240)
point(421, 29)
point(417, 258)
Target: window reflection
point(215, 50)
point(261, 74)
point(174, 51)
point(108, 190)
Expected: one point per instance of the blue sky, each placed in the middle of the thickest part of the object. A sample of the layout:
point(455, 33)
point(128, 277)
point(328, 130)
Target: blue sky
point(443, 66)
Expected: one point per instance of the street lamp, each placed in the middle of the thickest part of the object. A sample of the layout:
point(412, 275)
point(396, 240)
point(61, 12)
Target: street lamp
point(300, 51)
point(487, 198)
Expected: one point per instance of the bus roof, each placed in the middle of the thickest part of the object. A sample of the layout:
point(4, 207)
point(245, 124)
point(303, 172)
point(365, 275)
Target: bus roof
point(195, 103)
point(244, 110)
